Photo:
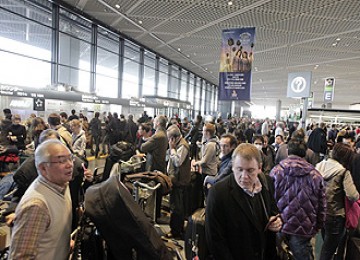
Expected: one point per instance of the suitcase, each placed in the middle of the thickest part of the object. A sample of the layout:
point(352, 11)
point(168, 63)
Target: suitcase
point(194, 195)
point(195, 241)
point(353, 248)
point(122, 223)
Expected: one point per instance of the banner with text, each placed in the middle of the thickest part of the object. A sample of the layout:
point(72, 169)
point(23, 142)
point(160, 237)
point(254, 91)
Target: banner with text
point(235, 63)
point(329, 90)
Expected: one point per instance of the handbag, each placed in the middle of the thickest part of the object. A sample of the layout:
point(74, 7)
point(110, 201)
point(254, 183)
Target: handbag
point(352, 213)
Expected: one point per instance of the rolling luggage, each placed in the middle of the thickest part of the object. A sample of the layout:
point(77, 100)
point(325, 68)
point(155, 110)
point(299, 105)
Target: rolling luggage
point(122, 223)
point(194, 195)
point(195, 241)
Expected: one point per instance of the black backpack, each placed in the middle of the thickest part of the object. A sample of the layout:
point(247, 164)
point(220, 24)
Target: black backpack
point(121, 151)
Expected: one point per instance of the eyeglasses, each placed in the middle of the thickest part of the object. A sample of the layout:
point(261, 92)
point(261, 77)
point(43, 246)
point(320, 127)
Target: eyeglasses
point(64, 159)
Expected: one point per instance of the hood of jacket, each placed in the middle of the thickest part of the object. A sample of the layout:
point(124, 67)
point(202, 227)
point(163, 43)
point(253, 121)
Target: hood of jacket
point(296, 166)
point(329, 168)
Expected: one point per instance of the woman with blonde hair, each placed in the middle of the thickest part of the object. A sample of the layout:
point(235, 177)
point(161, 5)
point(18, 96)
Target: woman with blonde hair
point(78, 138)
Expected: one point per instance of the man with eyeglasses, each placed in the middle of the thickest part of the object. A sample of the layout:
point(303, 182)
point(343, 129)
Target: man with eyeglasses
point(42, 225)
point(241, 213)
point(27, 173)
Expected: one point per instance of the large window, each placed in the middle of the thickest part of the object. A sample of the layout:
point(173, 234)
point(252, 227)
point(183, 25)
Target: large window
point(183, 87)
point(149, 74)
point(197, 95)
point(107, 64)
point(25, 44)
point(163, 78)
point(74, 51)
point(191, 89)
point(130, 85)
point(174, 82)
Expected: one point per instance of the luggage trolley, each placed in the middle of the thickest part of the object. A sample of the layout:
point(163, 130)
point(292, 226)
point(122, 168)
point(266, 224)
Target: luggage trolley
point(145, 195)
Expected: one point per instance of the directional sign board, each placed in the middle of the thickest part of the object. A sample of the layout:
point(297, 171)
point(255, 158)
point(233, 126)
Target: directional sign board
point(299, 84)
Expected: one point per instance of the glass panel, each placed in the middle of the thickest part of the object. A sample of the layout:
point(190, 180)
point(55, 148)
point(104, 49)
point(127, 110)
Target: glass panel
point(108, 42)
point(203, 95)
point(131, 53)
point(183, 87)
point(163, 84)
point(130, 85)
point(34, 73)
point(149, 81)
point(28, 9)
point(191, 89)
point(77, 78)
point(25, 37)
point(75, 26)
point(197, 95)
point(106, 86)
point(74, 52)
point(107, 63)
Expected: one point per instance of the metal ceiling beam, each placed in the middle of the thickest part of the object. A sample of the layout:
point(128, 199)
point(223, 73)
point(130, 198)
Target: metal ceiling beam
point(127, 12)
point(82, 4)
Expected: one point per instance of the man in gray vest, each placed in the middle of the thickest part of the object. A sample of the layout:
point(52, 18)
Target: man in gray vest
point(42, 225)
point(179, 171)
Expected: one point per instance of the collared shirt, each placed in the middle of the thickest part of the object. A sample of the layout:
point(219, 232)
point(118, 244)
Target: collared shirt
point(32, 218)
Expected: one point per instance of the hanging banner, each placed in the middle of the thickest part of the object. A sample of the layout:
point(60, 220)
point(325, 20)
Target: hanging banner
point(235, 63)
point(329, 90)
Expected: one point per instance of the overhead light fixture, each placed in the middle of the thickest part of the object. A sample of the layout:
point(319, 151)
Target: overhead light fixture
point(117, 6)
point(334, 44)
point(140, 22)
point(230, 3)
point(338, 39)
point(179, 49)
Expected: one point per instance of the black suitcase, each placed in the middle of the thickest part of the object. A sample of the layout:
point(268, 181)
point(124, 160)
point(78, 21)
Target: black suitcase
point(353, 248)
point(122, 223)
point(195, 241)
point(194, 195)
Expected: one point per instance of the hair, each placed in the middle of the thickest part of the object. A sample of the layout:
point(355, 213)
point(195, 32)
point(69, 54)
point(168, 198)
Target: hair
point(281, 137)
point(257, 137)
point(233, 140)
point(297, 146)
point(97, 114)
point(47, 134)
point(210, 128)
point(7, 111)
point(299, 134)
point(64, 115)
point(17, 117)
point(343, 154)
point(42, 153)
point(173, 131)
point(162, 121)
point(54, 119)
point(75, 122)
point(146, 127)
point(73, 111)
point(248, 152)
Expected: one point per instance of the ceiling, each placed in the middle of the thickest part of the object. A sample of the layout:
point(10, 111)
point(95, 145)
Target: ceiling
point(321, 36)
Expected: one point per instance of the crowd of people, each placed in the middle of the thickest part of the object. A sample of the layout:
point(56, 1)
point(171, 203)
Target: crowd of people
point(264, 181)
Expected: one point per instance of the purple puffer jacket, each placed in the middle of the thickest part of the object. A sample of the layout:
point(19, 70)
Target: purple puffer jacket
point(300, 196)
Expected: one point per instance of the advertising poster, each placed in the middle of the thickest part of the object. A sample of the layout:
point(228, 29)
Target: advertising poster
point(329, 89)
point(236, 63)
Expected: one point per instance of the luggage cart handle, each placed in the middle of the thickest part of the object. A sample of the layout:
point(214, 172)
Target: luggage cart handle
point(137, 183)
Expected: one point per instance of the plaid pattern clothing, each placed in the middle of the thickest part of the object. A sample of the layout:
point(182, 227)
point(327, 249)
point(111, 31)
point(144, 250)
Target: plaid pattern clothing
point(31, 222)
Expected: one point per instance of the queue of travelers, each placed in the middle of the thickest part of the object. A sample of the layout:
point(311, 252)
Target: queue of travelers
point(264, 181)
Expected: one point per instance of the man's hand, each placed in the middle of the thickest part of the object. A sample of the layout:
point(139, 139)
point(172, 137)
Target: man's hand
point(9, 219)
point(88, 174)
point(275, 223)
point(172, 143)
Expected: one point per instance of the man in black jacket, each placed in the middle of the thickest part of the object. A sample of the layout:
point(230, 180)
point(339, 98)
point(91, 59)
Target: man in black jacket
point(317, 141)
point(241, 213)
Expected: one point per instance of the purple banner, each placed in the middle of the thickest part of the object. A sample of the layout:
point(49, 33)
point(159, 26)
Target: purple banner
point(235, 64)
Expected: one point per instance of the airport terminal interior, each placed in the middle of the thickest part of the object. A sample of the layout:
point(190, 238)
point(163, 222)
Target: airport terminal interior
point(258, 70)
